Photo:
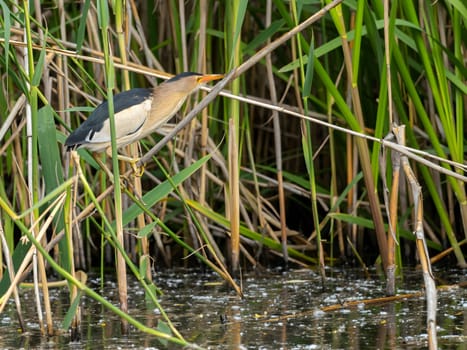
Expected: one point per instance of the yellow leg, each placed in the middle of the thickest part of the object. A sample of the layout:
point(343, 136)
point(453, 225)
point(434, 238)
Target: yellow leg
point(138, 170)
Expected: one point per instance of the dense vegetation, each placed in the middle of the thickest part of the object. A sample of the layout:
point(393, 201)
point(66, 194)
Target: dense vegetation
point(286, 166)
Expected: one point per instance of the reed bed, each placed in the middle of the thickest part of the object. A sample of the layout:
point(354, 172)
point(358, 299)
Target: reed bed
point(338, 137)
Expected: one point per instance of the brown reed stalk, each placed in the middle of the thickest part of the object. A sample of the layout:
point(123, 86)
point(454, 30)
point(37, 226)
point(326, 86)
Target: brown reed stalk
point(11, 271)
point(362, 147)
point(392, 206)
point(422, 249)
point(277, 141)
point(234, 197)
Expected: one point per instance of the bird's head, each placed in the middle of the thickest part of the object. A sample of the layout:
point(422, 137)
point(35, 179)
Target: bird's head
point(188, 82)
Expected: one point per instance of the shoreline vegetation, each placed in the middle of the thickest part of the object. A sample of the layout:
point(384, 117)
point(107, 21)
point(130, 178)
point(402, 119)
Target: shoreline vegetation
point(336, 138)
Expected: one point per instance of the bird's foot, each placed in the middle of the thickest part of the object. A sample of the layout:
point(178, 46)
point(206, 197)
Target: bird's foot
point(138, 171)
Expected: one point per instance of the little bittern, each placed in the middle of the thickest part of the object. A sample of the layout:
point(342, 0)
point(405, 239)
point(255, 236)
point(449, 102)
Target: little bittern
point(138, 112)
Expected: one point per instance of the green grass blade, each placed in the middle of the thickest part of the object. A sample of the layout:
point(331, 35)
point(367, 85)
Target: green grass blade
point(80, 34)
point(239, 17)
point(460, 7)
point(162, 190)
point(36, 79)
point(52, 172)
point(70, 314)
point(357, 43)
point(264, 35)
point(6, 32)
point(49, 155)
point(306, 91)
point(261, 239)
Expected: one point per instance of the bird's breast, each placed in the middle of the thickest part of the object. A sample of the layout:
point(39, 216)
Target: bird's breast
point(163, 108)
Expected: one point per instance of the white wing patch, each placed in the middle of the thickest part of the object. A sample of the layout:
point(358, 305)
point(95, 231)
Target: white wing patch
point(128, 125)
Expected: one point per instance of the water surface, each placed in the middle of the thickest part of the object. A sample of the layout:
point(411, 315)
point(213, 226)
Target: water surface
point(279, 311)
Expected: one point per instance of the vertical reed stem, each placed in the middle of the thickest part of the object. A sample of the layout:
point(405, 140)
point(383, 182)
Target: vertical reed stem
point(110, 82)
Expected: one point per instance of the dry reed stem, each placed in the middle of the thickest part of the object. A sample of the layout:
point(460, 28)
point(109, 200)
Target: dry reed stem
point(417, 155)
point(446, 252)
point(9, 263)
point(422, 249)
point(54, 207)
point(278, 109)
point(363, 151)
point(353, 304)
point(285, 37)
point(391, 208)
point(233, 197)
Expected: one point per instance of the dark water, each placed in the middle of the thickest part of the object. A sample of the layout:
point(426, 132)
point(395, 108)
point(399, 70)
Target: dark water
point(279, 311)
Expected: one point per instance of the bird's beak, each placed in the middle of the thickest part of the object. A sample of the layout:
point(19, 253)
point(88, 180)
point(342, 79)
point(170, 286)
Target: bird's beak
point(209, 77)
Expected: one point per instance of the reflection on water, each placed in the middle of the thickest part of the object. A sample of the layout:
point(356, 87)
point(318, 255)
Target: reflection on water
point(279, 311)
